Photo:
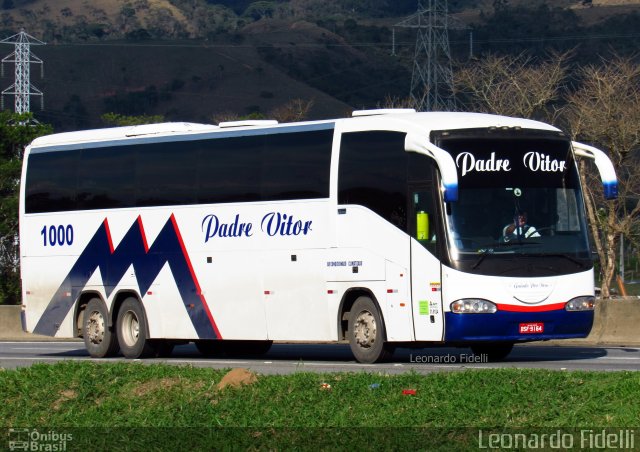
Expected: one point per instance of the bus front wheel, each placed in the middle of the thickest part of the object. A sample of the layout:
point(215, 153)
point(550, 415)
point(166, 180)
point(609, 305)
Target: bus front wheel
point(99, 340)
point(132, 330)
point(366, 332)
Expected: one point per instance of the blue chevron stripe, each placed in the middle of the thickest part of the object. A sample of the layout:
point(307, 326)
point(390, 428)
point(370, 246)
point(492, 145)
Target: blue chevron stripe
point(168, 248)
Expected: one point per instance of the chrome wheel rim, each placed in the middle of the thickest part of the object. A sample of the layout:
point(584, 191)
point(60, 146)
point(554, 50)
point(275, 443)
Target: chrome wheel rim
point(130, 328)
point(95, 328)
point(365, 329)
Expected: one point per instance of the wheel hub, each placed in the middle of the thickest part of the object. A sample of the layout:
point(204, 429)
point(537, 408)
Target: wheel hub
point(130, 328)
point(365, 329)
point(95, 328)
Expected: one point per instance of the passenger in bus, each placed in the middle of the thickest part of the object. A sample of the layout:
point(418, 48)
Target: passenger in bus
point(519, 229)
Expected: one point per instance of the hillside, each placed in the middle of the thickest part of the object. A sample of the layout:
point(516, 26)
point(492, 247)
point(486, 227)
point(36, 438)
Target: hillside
point(81, 19)
point(194, 60)
point(69, 20)
point(182, 81)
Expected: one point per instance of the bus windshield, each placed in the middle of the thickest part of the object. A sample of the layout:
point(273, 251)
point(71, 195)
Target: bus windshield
point(519, 201)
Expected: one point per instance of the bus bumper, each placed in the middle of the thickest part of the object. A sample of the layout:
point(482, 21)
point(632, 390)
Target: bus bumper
point(517, 326)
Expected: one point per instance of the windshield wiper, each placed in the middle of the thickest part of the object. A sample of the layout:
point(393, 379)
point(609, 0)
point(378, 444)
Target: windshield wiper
point(490, 246)
point(488, 249)
point(484, 253)
point(565, 256)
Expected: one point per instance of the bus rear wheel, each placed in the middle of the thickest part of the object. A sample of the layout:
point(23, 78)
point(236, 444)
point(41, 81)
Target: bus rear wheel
point(366, 332)
point(99, 340)
point(493, 351)
point(132, 330)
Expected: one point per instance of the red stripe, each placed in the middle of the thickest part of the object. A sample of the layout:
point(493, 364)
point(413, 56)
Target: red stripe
point(193, 275)
point(144, 236)
point(546, 307)
point(109, 239)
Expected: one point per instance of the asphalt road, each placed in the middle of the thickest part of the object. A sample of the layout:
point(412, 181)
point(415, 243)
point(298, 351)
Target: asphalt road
point(287, 358)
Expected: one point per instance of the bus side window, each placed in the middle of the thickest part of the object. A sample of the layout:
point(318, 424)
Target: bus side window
point(424, 227)
point(423, 217)
point(373, 174)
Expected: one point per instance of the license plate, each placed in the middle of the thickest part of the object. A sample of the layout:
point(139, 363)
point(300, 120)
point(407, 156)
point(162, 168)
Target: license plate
point(531, 328)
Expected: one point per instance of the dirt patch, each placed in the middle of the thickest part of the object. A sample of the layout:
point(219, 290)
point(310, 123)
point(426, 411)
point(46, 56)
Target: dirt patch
point(236, 378)
point(154, 385)
point(163, 384)
point(66, 395)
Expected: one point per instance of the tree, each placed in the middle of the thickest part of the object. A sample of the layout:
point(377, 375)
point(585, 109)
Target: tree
point(16, 131)
point(114, 119)
point(294, 110)
point(261, 9)
point(517, 85)
point(605, 112)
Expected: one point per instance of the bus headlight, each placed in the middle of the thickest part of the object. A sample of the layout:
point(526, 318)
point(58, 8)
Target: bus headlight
point(473, 306)
point(581, 304)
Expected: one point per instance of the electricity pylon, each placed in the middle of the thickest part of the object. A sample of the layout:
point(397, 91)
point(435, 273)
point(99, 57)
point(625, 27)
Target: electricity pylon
point(432, 77)
point(22, 57)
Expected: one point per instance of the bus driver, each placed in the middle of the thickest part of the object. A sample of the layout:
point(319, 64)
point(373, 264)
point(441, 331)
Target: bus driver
point(519, 228)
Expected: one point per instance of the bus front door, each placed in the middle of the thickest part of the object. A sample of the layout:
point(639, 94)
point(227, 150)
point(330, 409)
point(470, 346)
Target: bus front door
point(426, 294)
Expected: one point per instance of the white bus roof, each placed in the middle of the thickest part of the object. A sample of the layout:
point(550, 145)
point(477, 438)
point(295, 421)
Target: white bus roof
point(115, 133)
point(401, 119)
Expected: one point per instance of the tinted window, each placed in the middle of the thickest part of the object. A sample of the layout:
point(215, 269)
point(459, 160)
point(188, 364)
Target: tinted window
point(424, 223)
point(512, 161)
point(235, 169)
point(373, 173)
point(165, 173)
point(421, 168)
point(51, 182)
point(106, 178)
point(229, 169)
point(296, 165)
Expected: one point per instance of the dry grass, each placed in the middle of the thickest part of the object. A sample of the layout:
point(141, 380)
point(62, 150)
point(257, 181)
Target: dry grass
point(65, 396)
point(153, 387)
point(93, 11)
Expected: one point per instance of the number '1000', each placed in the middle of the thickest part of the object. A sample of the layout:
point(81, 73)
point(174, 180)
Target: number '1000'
point(57, 235)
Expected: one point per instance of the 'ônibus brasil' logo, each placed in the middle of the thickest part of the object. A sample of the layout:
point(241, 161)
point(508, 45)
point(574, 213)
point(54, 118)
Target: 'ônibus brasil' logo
point(533, 161)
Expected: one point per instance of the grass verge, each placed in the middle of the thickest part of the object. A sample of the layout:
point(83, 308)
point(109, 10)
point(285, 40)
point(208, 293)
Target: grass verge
point(134, 402)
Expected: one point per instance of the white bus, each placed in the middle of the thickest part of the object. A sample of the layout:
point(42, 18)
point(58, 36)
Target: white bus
point(386, 229)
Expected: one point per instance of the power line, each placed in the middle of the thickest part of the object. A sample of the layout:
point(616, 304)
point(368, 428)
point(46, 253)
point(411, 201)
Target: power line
point(354, 44)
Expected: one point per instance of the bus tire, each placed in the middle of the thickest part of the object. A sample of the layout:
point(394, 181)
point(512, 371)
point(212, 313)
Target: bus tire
point(99, 340)
point(132, 330)
point(246, 348)
point(493, 351)
point(366, 332)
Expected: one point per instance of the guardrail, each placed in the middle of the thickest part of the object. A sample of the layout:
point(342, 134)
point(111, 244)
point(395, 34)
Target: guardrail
point(616, 322)
point(11, 327)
